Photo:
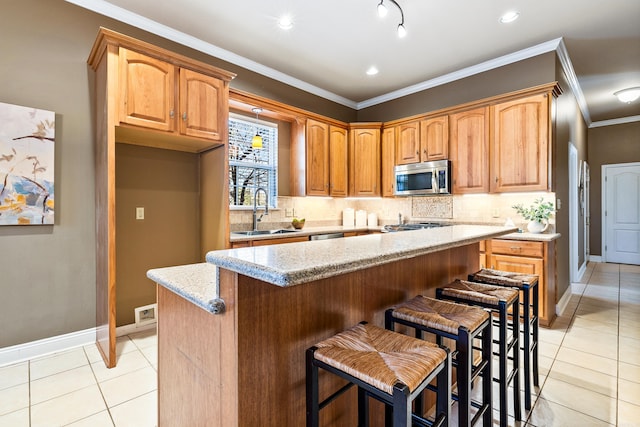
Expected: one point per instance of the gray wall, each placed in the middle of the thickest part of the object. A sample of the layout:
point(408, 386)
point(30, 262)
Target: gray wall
point(47, 284)
point(608, 145)
point(48, 272)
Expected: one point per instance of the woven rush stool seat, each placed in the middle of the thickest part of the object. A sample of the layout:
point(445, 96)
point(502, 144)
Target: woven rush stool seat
point(388, 366)
point(499, 300)
point(463, 324)
point(528, 284)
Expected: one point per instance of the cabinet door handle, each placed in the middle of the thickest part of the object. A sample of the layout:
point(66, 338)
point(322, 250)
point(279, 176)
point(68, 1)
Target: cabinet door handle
point(184, 116)
point(418, 153)
point(515, 248)
point(172, 114)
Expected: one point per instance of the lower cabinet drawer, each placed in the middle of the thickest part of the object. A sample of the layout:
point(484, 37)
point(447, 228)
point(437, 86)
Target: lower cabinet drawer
point(517, 247)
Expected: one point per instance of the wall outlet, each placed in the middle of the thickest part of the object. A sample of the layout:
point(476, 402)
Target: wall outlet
point(140, 213)
point(288, 212)
point(146, 314)
point(495, 213)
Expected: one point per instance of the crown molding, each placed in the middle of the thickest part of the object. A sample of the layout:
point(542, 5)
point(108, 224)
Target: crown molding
point(105, 8)
point(465, 72)
point(619, 121)
point(109, 10)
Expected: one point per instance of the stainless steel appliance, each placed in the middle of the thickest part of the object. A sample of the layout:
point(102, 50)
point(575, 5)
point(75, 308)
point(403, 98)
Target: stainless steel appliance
point(420, 179)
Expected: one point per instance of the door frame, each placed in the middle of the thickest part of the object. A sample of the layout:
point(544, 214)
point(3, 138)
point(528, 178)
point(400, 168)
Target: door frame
point(574, 268)
point(603, 202)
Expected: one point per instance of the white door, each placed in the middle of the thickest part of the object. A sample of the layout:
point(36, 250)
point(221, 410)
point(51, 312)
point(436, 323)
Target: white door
point(621, 225)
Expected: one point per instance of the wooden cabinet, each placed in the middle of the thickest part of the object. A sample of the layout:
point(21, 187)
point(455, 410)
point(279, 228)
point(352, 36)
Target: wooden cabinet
point(327, 150)
point(317, 145)
point(528, 257)
point(202, 105)
point(150, 97)
point(408, 143)
point(387, 161)
point(364, 159)
point(423, 141)
point(338, 161)
point(469, 151)
point(520, 136)
point(147, 91)
point(138, 88)
point(434, 139)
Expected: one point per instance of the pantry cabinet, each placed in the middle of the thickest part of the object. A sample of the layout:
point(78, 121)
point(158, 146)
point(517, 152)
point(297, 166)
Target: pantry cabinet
point(469, 151)
point(520, 135)
point(364, 159)
point(158, 95)
point(146, 95)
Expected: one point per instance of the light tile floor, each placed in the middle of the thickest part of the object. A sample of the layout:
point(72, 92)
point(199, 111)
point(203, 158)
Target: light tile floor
point(589, 362)
point(73, 388)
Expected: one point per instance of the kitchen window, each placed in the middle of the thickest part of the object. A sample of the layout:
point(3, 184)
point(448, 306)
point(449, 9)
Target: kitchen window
point(252, 168)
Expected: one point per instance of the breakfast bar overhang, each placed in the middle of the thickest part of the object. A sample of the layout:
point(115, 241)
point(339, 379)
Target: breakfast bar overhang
point(246, 365)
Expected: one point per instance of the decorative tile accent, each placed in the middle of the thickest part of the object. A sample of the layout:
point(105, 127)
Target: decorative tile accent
point(432, 207)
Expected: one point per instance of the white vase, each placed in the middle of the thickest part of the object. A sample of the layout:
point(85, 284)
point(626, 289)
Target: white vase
point(536, 227)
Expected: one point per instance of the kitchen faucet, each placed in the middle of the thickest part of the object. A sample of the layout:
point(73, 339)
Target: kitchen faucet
point(255, 207)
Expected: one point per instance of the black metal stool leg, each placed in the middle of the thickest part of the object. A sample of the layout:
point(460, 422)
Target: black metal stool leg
point(536, 320)
point(313, 401)
point(487, 375)
point(527, 346)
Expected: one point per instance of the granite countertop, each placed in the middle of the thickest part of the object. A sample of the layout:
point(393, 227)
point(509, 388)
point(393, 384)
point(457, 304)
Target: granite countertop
point(536, 237)
point(292, 264)
point(197, 283)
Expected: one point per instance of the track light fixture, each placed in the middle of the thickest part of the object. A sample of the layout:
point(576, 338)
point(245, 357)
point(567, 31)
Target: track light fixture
point(256, 142)
point(382, 12)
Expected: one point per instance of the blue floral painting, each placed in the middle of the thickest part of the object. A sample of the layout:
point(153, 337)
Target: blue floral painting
point(27, 142)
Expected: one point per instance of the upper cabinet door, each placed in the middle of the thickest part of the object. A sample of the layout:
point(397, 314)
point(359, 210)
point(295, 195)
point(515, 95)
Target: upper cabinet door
point(387, 161)
point(408, 145)
point(469, 151)
point(364, 162)
point(201, 99)
point(434, 139)
point(338, 164)
point(520, 145)
point(147, 91)
point(317, 146)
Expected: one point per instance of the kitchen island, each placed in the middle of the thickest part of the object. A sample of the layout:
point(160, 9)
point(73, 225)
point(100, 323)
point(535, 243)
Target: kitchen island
point(245, 366)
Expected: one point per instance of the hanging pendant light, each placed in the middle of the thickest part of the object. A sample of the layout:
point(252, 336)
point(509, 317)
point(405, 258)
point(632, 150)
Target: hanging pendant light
point(256, 142)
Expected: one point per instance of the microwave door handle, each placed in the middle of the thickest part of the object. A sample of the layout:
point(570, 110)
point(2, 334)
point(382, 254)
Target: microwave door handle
point(434, 182)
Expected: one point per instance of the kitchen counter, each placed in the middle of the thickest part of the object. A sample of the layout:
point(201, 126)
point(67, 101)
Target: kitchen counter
point(245, 365)
point(535, 237)
point(297, 263)
point(306, 231)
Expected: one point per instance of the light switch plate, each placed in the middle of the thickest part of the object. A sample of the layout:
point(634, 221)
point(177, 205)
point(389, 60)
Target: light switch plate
point(140, 213)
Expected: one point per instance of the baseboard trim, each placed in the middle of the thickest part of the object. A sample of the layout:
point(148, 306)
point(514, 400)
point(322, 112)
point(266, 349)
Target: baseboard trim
point(561, 306)
point(133, 328)
point(595, 258)
point(21, 352)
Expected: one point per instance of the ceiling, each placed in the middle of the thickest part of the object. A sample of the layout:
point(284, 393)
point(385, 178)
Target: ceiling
point(334, 42)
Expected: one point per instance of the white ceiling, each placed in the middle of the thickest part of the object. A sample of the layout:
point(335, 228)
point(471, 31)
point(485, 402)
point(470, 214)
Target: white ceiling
point(334, 42)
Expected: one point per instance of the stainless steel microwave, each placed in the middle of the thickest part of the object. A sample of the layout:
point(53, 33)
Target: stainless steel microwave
point(420, 179)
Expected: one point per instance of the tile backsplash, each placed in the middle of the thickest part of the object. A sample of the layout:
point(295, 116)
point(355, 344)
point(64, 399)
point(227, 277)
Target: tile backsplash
point(321, 211)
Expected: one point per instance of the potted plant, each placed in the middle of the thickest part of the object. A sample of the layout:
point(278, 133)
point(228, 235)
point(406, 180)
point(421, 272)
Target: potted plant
point(537, 214)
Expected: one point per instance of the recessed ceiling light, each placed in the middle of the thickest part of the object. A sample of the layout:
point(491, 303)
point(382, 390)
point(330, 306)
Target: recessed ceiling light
point(628, 95)
point(285, 22)
point(372, 71)
point(509, 17)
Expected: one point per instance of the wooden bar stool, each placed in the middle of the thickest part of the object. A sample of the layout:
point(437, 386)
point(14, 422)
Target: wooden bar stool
point(463, 324)
point(528, 284)
point(498, 300)
point(386, 365)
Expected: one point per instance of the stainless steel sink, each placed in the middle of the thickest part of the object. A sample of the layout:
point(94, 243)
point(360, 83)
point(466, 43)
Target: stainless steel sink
point(264, 232)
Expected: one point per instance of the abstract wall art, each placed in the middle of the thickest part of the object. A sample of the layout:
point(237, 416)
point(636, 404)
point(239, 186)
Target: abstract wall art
point(27, 142)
